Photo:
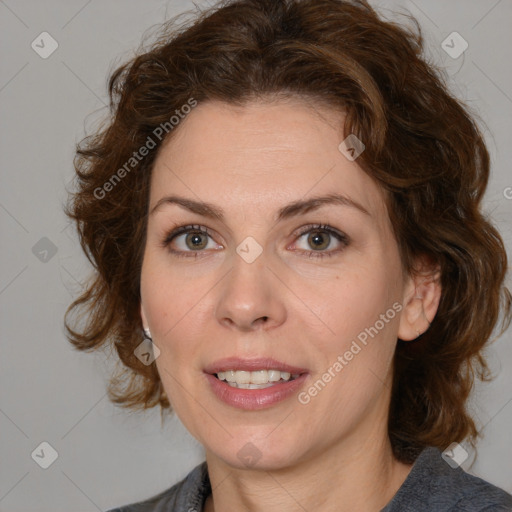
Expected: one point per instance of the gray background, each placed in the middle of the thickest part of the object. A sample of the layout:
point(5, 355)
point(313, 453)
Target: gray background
point(49, 392)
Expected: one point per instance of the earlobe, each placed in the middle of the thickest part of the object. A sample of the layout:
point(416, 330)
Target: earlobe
point(143, 317)
point(421, 302)
point(145, 327)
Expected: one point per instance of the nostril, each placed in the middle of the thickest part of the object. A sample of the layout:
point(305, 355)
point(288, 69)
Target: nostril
point(261, 320)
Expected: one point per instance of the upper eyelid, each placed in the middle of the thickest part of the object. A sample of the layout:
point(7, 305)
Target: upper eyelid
point(321, 227)
point(185, 229)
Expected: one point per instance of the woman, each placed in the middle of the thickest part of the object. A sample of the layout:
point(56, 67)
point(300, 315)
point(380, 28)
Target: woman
point(284, 218)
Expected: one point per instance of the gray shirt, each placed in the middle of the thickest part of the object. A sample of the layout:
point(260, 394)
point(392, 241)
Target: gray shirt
point(431, 486)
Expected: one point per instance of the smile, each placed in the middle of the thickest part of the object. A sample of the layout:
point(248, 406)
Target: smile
point(259, 379)
point(252, 384)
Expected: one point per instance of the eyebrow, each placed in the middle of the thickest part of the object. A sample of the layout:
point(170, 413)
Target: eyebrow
point(291, 210)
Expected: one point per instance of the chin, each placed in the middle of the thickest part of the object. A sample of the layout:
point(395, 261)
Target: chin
point(261, 454)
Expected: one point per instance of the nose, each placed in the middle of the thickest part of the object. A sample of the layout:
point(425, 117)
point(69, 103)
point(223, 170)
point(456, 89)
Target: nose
point(250, 297)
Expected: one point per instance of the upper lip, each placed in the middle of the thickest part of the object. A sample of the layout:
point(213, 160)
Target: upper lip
point(237, 363)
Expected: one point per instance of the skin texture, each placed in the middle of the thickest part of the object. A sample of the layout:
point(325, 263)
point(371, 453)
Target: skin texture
point(332, 453)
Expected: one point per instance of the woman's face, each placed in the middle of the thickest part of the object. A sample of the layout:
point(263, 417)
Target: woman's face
point(265, 279)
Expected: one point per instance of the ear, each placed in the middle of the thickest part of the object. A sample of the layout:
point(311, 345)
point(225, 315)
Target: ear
point(422, 294)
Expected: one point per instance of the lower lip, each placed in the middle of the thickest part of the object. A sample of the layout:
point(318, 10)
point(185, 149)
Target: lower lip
point(253, 399)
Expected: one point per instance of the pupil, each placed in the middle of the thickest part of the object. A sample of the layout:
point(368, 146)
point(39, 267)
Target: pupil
point(319, 240)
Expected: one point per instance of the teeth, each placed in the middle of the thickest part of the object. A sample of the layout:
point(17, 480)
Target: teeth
point(254, 380)
point(260, 377)
point(274, 375)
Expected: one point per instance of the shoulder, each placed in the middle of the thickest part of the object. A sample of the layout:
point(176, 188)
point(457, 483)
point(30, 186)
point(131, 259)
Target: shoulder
point(187, 495)
point(433, 484)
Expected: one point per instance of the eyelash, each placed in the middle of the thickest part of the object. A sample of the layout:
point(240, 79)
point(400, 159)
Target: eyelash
point(182, 230)
point(341, 237)
point(338, 235)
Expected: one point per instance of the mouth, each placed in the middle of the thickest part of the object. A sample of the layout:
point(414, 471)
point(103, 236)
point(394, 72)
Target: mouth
point(252, 384)
point(258, 379)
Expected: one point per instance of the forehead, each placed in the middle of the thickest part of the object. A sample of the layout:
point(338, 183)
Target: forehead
point(261, 155)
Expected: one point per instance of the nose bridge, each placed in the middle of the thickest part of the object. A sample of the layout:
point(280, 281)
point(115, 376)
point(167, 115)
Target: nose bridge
point(250, 294)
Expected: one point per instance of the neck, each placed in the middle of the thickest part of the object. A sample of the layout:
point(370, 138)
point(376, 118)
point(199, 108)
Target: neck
point(349, 476)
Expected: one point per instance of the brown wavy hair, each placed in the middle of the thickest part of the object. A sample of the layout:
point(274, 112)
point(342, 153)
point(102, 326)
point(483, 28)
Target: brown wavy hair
point(422, 147)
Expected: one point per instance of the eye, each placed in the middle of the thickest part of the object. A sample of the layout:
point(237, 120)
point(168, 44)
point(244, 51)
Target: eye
point(190, 239)
point(316, 240)
point(321, 240)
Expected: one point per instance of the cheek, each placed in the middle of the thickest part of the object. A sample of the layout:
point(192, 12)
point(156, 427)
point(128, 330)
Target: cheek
point(364, 313)
point(176, 304)
point(352, 304)
point(172, 310)
point(169, 295)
